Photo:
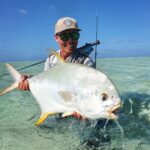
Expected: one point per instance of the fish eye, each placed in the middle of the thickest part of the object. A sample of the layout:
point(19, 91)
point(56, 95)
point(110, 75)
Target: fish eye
point(104, 97)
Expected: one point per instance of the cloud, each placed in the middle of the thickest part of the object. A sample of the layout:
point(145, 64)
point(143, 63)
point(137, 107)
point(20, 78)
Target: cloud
point(23, 11)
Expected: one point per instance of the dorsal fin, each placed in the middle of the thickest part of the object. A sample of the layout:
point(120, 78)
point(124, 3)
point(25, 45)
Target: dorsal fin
point(60, 59)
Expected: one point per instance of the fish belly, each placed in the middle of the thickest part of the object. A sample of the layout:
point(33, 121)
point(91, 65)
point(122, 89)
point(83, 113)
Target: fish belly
point(74, 78)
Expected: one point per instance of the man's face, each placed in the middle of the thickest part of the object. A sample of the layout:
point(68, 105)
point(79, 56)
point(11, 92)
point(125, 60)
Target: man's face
point(67, 40)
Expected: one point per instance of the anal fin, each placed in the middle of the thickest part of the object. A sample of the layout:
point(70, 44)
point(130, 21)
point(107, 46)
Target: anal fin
point(43, 117)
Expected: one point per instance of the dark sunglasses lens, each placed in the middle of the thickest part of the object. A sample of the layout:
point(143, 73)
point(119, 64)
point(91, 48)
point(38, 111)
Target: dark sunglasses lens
point(64, 37)
point(75, 35)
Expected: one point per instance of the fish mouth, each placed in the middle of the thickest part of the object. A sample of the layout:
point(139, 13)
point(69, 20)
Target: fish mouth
point(112, 112)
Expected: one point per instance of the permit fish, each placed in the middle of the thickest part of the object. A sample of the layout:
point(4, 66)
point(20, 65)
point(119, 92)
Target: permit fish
point(71, 87)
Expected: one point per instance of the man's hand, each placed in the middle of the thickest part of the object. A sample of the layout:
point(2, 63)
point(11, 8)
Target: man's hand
point(73, 114)
point(78, 115)
point(24, 84)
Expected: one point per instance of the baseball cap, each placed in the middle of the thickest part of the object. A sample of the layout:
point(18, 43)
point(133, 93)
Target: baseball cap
point(65, 24)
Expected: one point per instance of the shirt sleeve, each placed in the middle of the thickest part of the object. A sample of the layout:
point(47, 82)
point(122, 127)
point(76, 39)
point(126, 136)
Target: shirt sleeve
point(51, 61)
point(89, 62)
point(46, 66)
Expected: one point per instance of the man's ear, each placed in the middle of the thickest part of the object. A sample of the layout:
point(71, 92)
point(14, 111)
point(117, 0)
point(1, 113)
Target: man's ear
point(56, 37)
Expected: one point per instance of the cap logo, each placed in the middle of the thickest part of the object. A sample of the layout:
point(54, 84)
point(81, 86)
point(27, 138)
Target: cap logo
point(68, 22)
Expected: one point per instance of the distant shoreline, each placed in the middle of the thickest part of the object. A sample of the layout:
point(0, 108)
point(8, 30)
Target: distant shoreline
point(103, 58)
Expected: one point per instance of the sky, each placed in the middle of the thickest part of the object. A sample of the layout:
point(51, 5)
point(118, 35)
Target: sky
point(27, 27)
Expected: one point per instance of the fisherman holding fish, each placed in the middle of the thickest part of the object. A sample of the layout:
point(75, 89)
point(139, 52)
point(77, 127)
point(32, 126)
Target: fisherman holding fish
point(88, 94)
point(66, 35)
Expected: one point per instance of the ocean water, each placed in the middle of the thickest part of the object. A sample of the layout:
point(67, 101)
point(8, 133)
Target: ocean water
point(19, 112)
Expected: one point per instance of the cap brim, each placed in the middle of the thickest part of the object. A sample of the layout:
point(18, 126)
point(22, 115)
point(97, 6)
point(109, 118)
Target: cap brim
point(77, 29)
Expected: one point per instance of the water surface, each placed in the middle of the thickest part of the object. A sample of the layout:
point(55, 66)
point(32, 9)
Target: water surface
point(19, 111)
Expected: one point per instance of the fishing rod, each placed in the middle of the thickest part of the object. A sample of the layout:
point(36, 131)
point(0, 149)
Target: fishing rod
point(96, 38)
point(88, 47)
point(85, 49)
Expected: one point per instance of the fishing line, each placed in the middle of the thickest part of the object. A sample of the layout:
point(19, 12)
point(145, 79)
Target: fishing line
point(24, 68)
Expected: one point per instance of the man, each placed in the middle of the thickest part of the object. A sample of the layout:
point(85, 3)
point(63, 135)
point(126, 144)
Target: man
point(66, 35)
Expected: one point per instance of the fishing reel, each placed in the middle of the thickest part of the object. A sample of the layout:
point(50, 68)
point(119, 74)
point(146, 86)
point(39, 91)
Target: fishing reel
point(88, 48)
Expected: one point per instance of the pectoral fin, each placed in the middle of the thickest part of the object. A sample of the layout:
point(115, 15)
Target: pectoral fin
point(43, 117)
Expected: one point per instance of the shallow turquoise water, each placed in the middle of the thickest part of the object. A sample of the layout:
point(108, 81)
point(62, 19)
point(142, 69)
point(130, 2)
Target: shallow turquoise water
point(19, 111)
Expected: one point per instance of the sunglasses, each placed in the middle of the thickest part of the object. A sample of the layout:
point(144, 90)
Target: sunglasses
point(66, 36)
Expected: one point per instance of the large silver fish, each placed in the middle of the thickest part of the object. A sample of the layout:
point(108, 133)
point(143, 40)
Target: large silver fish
point(70, 87)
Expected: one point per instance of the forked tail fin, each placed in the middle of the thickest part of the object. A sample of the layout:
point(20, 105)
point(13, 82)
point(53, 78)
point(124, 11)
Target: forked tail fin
point(16, 76)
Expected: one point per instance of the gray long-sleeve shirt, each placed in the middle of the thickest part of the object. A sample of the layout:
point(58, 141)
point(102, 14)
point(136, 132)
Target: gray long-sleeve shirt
point(76, 57)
